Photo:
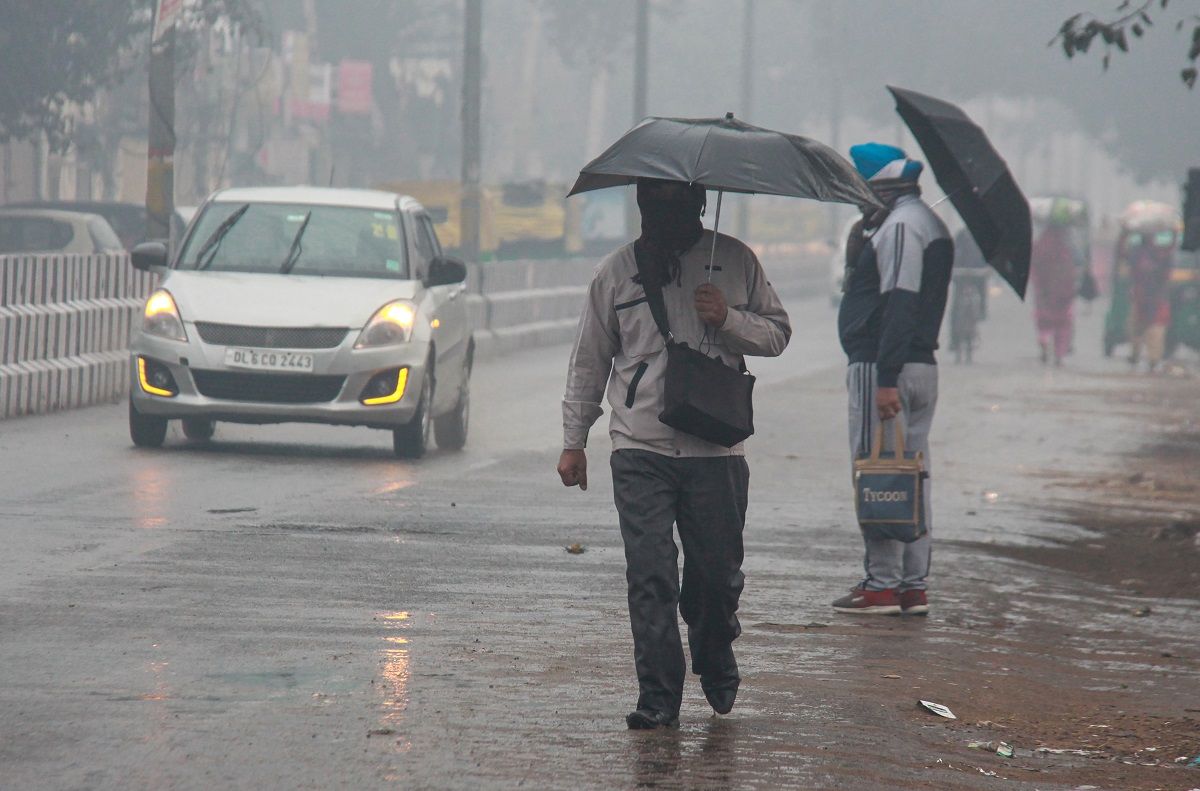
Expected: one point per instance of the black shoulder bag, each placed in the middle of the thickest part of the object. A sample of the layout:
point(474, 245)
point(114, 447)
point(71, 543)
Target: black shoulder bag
point(702, 395)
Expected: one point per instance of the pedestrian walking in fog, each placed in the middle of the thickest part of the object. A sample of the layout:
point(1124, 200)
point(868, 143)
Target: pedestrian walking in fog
point(664, 478)
point(969, 296)
point(888, 324)
point(1055, 282)
point(1059, 267)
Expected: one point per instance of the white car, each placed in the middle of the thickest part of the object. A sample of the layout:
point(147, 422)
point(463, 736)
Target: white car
point(304, 304)
point(38, 230)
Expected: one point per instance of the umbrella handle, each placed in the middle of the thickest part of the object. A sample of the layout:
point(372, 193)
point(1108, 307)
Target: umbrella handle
point(712, 255)
point(946, 197)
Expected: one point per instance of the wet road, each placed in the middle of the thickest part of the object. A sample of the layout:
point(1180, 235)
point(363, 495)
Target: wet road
point(291, 607)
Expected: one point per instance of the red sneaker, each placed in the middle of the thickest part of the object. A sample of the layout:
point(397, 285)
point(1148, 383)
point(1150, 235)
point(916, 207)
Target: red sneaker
point(868, 602)
point(913, 602)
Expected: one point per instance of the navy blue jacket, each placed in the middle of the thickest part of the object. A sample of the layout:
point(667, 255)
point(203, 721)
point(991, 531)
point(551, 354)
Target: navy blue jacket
point(896, 289)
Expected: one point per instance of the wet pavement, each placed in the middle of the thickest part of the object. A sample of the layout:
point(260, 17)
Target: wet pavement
point(291, 607)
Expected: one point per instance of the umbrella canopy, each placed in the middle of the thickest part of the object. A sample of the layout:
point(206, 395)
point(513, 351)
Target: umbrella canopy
point(976, 180)
point(728, 155)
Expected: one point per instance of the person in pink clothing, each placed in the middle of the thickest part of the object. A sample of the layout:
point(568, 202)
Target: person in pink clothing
point(1055, 276)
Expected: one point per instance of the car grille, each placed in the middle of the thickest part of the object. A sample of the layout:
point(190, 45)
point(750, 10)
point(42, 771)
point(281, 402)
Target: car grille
point(268, 388)
point(271, 337)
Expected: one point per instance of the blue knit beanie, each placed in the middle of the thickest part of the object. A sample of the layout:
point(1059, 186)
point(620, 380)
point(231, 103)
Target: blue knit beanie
point(876, 161)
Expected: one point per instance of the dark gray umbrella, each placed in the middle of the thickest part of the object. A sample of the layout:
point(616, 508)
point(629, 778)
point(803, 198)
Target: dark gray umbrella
point(976, 180)
point(728, 155)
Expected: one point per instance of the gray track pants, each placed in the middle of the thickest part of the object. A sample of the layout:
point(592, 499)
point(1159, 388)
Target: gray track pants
point(706, 499)
point(888, 563)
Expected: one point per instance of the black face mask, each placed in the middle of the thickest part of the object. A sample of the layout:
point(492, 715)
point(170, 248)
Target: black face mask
point(670, 224)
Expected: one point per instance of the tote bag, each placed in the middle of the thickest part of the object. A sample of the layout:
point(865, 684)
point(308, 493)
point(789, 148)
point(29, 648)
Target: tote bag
point(888, 490)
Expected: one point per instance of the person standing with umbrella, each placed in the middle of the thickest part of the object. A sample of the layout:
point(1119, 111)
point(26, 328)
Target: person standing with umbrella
point(895, 300)
point(888, 324)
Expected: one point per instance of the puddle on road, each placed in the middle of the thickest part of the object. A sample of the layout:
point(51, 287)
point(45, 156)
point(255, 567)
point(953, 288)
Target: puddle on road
point(315, 527)
point(284, 682)
point(718, 753)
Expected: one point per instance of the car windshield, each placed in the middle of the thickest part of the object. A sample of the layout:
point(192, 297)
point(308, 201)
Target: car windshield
point(338, 241)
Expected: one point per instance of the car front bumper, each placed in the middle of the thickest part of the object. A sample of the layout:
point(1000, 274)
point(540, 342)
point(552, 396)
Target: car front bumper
point(192, 360)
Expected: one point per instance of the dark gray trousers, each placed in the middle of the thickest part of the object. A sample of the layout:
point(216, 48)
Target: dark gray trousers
point(706, 499)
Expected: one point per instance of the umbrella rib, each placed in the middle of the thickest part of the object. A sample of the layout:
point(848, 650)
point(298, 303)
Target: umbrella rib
point(700, 151)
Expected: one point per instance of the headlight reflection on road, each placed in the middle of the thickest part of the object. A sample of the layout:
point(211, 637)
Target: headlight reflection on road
point(393, 486)
point(395, 671)
point(150, 489)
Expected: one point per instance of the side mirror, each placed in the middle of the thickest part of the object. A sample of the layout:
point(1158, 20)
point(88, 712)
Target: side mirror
point(437, 214)
point(149, 255)
point(446, 271)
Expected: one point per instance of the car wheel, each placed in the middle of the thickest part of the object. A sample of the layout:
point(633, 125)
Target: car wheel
point(199, 428)
point(146, 431)
point(451, 428)
point(412, 440)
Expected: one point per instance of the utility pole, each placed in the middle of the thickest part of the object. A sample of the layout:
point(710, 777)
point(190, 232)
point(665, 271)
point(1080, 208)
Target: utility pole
point(836, 40)
point(471, 201)
point(641, 68)
point(743, 216)
point(160, 160)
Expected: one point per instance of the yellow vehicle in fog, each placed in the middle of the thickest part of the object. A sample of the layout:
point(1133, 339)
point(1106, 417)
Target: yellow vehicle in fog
point(517, 220)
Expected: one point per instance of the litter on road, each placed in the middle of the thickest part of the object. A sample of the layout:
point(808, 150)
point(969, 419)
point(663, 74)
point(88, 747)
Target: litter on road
point(938, 709)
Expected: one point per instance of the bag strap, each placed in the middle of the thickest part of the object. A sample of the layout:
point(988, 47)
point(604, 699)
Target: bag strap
point(654, 295)
point(877, 445)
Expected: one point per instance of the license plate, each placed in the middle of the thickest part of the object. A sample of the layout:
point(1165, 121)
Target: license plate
point(268, 360)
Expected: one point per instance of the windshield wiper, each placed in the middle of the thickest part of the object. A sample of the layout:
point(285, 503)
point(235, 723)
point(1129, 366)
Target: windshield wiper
point(214, 241)
point(294, 251)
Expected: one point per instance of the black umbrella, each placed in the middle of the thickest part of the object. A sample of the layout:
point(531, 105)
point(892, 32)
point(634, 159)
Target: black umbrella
point(726, 155)
point(976, 180)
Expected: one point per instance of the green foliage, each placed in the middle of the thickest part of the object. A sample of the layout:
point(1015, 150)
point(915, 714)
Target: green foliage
point(54, 53)
point(1079, 31)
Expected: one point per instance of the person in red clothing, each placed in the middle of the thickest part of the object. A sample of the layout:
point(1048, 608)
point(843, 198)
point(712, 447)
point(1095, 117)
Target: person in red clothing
point(1055, 280)
point(1060, 270)
point(1149, 257)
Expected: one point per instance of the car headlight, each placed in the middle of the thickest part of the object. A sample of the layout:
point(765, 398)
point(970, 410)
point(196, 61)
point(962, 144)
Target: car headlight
point(393, 323)
point(161, 317)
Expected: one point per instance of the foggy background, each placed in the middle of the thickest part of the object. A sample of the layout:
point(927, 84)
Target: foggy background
point(367, 92)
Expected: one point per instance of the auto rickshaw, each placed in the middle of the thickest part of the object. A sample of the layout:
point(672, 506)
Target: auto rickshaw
point(1184, 329)
point(1143, 224)
point(1185, 274)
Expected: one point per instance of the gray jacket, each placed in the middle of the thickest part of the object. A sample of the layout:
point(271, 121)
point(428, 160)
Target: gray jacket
point(618, 336)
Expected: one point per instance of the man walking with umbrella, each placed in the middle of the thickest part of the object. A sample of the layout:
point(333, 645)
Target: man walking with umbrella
point(663, 477)
point(888, 323)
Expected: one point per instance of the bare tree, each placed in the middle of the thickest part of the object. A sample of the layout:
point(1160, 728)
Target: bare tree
point(54, 55)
